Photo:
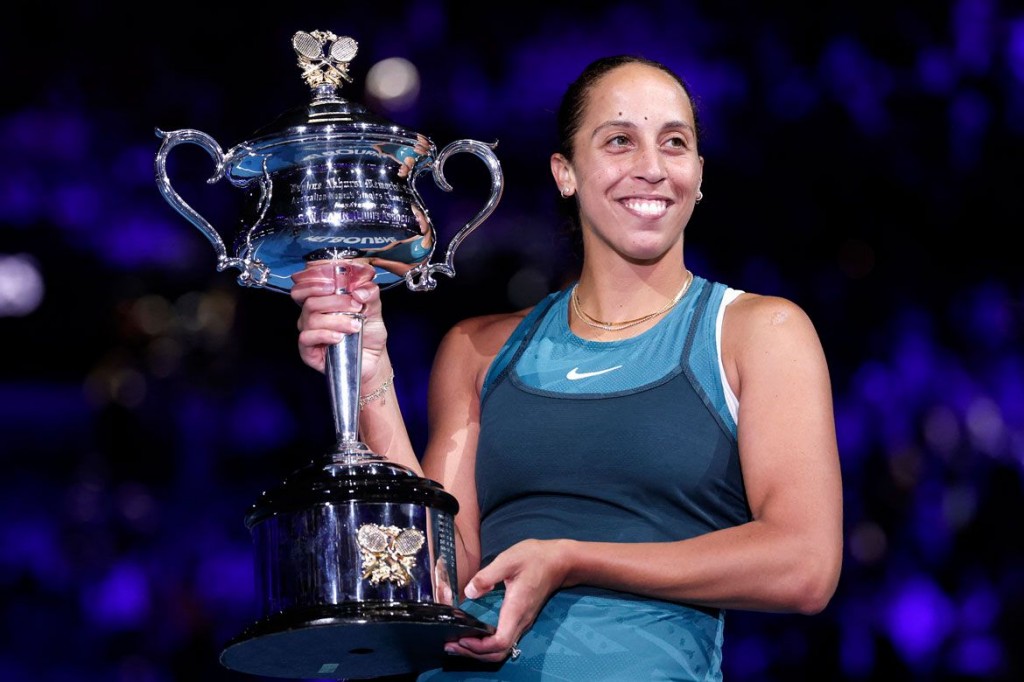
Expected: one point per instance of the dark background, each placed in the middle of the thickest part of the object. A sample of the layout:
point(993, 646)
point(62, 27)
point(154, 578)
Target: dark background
point(863, 159)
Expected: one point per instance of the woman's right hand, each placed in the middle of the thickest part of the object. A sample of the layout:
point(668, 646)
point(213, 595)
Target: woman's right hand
point(326, 288)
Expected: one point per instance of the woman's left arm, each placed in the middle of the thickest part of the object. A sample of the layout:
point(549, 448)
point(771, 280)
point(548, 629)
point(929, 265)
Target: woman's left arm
point(775, 364)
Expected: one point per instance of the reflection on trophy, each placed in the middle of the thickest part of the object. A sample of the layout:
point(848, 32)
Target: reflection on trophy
point(354, 555)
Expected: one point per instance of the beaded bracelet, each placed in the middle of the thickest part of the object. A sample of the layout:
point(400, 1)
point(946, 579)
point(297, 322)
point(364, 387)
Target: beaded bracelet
point(376, 393)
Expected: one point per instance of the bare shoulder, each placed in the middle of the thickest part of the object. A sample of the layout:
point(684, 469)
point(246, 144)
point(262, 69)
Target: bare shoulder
point(487, 333)
point(484, 334)
point(759, 324)
point(472, 343)
point(769, 339)
point(757, 313)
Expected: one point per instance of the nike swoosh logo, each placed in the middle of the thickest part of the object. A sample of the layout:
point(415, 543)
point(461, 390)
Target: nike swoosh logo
point(575, 375)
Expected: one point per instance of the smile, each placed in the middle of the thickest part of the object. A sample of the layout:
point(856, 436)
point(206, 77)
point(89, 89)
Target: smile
point(648, 208)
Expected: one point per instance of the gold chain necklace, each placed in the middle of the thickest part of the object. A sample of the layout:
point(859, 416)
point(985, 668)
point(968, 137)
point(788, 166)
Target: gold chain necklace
point(618, 326)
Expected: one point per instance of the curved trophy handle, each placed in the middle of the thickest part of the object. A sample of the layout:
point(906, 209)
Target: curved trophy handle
point(253, 273)
point(421, 278)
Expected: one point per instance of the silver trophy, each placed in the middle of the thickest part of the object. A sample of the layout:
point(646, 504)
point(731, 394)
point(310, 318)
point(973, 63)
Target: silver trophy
point(354, 555)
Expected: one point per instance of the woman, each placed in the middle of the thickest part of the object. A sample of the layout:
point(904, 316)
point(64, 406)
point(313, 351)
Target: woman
point(635, 453)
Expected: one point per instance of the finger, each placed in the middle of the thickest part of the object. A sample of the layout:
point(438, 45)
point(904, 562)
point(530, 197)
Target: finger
point(477, 587)
point(332, 303)
point(349, 275)
point(332, 321)
point(362, 285)
point(490, 651)
point(314, 271)
point(360, 273)
point(313, 338)
point(330, 277)
point(485, 579)
point(364, 293)
point(310, 288)
point(300, 293)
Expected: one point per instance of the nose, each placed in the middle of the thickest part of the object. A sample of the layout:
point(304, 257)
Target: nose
point(650, 165)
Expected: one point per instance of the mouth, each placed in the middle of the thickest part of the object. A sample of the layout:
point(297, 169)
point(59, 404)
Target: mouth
point(646, 208)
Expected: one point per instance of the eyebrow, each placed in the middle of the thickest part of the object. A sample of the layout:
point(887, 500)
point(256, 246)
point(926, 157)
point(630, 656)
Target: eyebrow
point(619, 123)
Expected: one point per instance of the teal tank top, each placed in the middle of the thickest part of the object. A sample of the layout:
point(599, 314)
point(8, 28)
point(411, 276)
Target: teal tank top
point(618, 441)
point(623, 441)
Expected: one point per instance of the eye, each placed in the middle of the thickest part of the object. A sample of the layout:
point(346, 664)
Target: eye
point(619, 140)
point(677, 142)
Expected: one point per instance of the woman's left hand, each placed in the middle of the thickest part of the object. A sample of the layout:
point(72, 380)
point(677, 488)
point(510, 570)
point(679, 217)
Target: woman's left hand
point(532, 570)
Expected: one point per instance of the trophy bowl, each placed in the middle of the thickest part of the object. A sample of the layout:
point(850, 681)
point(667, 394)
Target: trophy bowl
point(330, 180)
point(354, 555)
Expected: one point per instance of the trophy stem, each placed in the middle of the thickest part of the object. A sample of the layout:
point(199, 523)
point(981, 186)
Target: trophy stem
point(343, 367)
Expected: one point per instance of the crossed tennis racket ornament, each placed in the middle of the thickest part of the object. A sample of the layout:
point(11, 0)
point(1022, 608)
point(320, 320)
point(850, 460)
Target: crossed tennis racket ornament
point(389, 552)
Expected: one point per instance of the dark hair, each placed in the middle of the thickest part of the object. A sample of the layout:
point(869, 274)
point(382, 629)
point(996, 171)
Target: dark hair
point(570, 116)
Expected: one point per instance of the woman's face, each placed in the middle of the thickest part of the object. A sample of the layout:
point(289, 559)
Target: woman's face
point(636, 170)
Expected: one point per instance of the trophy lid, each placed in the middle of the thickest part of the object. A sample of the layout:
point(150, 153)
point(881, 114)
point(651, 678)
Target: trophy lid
point(370, 481)
point(327, 120)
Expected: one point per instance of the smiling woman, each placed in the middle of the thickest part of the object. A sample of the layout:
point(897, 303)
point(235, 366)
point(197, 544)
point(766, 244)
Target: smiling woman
point(618, 139)
point(636, 453)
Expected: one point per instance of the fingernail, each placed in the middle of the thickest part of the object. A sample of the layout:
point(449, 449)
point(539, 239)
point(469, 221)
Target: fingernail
point(361, 295)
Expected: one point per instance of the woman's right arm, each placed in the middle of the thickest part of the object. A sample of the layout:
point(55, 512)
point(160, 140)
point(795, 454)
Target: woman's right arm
point(460, 365)
point(322, 322)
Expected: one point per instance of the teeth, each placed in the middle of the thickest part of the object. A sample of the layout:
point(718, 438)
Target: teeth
point(647, 207)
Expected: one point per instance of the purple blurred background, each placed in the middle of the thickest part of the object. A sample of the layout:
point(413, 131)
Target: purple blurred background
point(863, 159)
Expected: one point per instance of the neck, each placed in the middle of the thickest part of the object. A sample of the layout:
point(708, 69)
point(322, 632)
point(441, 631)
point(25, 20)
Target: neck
point(578, 302)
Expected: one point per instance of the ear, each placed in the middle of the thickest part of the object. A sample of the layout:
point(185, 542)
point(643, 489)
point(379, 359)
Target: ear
point(561, 171)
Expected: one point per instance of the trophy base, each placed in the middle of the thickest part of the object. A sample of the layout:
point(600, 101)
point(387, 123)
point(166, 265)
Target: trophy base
point(350, 641)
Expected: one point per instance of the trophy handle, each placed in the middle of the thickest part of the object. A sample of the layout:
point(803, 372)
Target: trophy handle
point(253, 273)
point(422, 278)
